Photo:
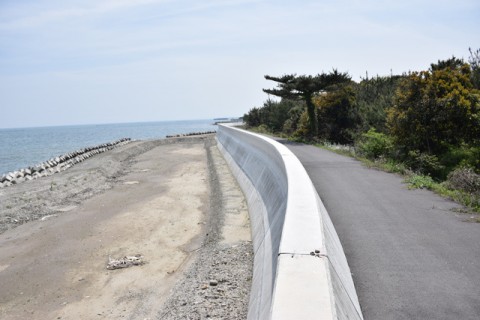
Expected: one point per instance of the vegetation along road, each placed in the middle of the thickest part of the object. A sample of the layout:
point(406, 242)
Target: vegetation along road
point(413, 255)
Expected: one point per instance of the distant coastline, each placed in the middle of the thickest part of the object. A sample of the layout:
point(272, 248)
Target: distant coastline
point(227, 120)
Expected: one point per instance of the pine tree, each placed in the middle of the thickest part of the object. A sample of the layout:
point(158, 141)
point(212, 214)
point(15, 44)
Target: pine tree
point(305, 88)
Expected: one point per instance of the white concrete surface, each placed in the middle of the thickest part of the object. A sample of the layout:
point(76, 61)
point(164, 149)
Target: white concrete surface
point(300, 276)
point(300, 270)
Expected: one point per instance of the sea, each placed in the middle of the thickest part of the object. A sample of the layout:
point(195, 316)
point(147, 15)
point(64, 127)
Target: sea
point(24, 147)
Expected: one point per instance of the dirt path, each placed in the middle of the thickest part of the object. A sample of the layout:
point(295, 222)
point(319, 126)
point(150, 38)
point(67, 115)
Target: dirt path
point(154, 204)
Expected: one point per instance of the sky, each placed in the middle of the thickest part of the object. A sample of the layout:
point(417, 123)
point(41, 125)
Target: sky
point(66, 62)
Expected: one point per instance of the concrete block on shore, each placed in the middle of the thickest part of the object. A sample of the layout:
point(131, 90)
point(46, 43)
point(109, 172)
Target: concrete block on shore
point(57, 164)
point(5, 184)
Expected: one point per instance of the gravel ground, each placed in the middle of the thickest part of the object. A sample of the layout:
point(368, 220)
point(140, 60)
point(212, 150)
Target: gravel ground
point(217, 285)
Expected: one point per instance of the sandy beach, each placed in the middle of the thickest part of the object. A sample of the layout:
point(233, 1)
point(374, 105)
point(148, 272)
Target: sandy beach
point(172, 203)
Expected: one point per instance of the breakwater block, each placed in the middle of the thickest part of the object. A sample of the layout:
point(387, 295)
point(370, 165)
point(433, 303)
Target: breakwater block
point(190, 134)
point(57, 164)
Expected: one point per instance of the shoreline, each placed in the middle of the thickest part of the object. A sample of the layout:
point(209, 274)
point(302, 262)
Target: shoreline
point(65, 161)
point(52, 205)
point(29, 146)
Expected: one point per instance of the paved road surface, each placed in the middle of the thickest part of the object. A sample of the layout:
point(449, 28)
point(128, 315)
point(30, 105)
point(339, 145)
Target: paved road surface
point(410, 255)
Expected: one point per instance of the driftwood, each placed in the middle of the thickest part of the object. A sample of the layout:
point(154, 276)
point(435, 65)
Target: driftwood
point(125, 262)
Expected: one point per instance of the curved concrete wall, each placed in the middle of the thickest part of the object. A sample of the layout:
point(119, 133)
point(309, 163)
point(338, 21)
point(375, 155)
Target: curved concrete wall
point(300, 270)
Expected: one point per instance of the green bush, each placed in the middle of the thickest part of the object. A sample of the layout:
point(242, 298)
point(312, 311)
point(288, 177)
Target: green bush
point(425, 163)
point(303, 127)
point(435, 109)
point(391, 165)
point(294, 114)
point(462, 156)
point(272, 114)
point(338, 115)
point(417, 181)
point(374, 144)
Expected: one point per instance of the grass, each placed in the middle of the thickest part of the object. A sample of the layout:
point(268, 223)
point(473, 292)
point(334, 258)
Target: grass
point(337, 148)
point(472, 201)
point(388, 165)
point(417, 181)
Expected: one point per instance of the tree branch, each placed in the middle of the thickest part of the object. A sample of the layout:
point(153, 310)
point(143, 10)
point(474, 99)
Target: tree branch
point(283, 79)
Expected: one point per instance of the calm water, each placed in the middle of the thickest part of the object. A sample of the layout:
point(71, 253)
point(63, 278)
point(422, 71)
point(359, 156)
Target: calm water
point(20, 148)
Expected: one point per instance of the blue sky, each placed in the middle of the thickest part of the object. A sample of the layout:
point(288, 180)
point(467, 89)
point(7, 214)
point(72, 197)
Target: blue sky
point(104, 61)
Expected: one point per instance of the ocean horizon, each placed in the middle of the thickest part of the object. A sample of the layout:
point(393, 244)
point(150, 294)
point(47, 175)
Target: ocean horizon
point(24, 147)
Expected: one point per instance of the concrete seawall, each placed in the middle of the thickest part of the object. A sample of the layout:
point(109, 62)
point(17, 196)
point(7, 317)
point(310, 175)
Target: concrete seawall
point(300, 270)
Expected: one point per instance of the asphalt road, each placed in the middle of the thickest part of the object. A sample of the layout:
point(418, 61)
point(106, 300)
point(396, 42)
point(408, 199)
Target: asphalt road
point(411, 256)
